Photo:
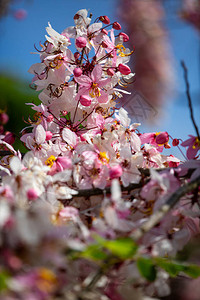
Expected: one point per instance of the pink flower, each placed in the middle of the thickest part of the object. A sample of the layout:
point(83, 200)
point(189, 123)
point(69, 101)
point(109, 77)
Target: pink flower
point(158, 139)
point(193, 144)
point(93, 86)
point(162, 138)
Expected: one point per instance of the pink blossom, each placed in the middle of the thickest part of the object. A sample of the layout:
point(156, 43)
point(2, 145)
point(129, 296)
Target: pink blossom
point(93, 86)
point(162, 138)
point(158, 139)
point(193, 145)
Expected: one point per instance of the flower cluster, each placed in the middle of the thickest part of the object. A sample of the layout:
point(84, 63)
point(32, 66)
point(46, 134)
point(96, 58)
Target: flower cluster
point(71, 206)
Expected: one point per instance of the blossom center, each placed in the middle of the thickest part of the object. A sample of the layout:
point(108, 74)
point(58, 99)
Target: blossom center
point(121, 50)
point(94, 91)
point(196, 143)
point(50, 161)
point(103, 157)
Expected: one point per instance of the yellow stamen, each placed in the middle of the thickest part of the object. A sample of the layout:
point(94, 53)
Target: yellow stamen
point(103, 157)
point(46, 280)
point(196, 143)
point(94, 91)
point(49, 162)
point(121, 50)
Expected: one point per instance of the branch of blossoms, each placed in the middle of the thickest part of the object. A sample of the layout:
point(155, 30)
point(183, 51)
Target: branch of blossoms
point(90, 179)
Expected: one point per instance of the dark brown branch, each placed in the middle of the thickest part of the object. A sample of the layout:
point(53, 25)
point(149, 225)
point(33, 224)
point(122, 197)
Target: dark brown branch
point(96, 191)
point(189, 97)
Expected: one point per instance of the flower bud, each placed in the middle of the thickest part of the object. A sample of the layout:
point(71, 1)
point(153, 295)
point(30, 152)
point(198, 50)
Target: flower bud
point(104, 19)
point(49, 135)
point(76, 55)
point(104, 44)
point(9, 138)
point(115, 171)
point(32, 194)
point(64, 112)
point(110, 72)
point(85, 100)
point(175, 142)
point(116, 26)
point(174, 162)
point(20, 14)
point(104, 31)
point(124, 36)
point(50, 118)
point(4, 118)
point(162, 138)
point(81, 42)
point(125, 70)
point(77, 72)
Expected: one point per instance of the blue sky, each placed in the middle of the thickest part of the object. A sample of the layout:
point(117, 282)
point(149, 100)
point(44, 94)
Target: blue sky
point(17, 40)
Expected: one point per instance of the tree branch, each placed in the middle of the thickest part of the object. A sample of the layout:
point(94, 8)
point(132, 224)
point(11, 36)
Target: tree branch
point(170, 203)
point(189, 98)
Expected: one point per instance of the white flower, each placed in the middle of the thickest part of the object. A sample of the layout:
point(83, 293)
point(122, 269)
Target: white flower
point(58, 40)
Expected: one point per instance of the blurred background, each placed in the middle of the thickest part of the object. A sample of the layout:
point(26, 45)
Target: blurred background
point(163, 32)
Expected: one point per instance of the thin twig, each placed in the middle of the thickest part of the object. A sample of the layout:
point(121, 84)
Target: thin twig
point(189, 97)
point(170, 203)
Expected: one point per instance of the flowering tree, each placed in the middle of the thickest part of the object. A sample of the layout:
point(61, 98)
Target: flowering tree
point(94, 209)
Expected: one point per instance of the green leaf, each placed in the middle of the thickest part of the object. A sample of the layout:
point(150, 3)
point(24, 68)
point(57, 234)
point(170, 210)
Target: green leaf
point(174, 268)
point(192, 271)
point(94, 252)
point(124, 248)
point(146, 268)
point(3, 280)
